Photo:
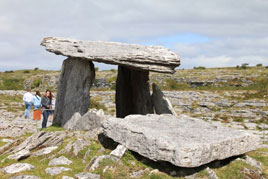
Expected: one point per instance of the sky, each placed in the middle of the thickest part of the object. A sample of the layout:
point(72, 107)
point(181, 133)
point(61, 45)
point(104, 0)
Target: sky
point(210, 33)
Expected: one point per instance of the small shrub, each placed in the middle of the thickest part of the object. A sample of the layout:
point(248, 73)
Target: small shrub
point(243, 67)
point(237, 67)
point(96, 68)
point(259, 65)
point(266, 67)
point(36, 83)
point(171, 84)
point(200, 68)
point(36, 68)
point(26, 71)
point(95, 104)
point(11, 71)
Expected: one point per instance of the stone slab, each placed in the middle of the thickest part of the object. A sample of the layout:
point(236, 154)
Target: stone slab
point(17, 167)
point(181, 140)
point(140, 57)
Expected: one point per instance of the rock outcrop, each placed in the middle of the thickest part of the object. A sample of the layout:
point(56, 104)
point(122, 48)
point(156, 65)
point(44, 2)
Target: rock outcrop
point(77, 76)
point(161, 103)
point(132, 92)
point(139, 57)
point(89, 121)
point(182, 140)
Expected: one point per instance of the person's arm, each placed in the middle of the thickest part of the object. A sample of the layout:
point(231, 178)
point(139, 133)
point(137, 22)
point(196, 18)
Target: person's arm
point(44, 103)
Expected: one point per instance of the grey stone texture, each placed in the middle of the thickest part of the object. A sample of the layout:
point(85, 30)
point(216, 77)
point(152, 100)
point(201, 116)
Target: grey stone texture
point(160, 102)
point(60, 161)
point(25, 177)
point(89, 121)
point(45, 151)
point(118, 153)
point(56, 170)
point(17, 167)
point(20, 155)
point(77, 76)
point(132, 92)
point(86, 175)
point(182, 140)
point(146, 58)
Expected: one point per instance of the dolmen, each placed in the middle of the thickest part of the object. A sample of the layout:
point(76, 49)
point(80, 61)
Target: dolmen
point(181, 140)
point(132, 84)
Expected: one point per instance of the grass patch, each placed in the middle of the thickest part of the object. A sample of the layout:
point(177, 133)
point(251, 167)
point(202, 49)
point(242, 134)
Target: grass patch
point(232, 170)
point(97, 105)
point(53, 129)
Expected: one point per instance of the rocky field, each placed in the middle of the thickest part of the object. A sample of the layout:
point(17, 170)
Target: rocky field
point(231, 97)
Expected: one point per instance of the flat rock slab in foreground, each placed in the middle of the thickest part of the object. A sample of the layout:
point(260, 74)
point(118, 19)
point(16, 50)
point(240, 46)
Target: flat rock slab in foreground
point(182, 141)
point(139, 57)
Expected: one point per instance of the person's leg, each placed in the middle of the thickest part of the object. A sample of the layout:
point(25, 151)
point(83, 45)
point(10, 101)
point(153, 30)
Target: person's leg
point(45, 117)
point(27, 110)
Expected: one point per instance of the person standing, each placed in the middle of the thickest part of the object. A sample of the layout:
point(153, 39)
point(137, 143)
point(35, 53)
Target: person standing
point(46, 106)
point(37, 100)
point(27, 98)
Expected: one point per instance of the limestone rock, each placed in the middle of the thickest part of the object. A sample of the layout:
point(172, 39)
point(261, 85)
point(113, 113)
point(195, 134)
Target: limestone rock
point(182, 140)
point(17, 167)
point(75, 147)
point(25, 177)
point(161, 103)
point(211, 173)
point(86, 175)
point(56, 170)
point(40, 139)
point(95, 162)
point(77, 76)
point(20, 155)
point(148, 58)
point(118, 153)
point(67, 177)
point(70, 123)
point(45, 151)
point(60, 161)
point(132, 92)
point(89, 121)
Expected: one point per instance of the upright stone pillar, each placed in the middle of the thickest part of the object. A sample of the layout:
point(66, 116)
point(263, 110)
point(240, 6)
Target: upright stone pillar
point(77, 76)
point(132, 92)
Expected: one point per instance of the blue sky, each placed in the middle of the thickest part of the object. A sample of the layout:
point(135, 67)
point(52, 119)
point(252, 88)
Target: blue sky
point(211, 33)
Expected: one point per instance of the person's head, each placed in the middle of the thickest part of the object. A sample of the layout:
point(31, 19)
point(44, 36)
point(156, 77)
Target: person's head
point(38, 93)
point(28, 89)
point(48, 94)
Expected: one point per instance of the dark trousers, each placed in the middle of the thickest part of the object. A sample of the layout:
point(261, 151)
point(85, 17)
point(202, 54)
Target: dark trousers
point(45, 117)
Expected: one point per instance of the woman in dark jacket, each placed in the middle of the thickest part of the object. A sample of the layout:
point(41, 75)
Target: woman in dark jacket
point(46, 106)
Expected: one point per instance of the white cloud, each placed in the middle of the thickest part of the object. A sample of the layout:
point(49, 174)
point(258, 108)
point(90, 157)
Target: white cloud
point(236, 29)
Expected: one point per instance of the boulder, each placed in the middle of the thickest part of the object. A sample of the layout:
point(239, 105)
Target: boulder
point(17, 167)
point(77, 76)
point(89, 121)
point(138, 57)
point(132, 92)
point(160, 102)
point(20, 155)
point(183, 141)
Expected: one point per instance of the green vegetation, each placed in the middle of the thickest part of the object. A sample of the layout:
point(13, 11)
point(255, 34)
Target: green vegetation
point(232, 170)
point(11, 84)
point(97, 105)
point(200, 68)
point(36, 83)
